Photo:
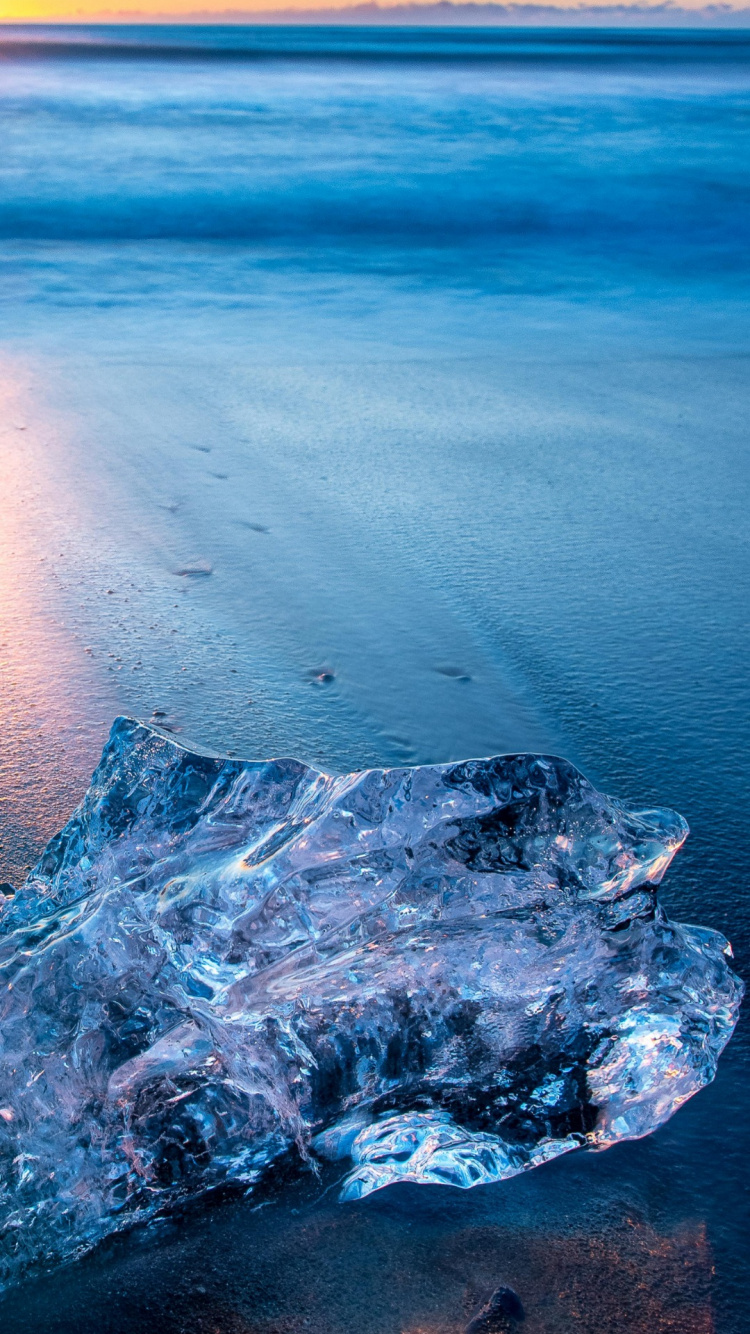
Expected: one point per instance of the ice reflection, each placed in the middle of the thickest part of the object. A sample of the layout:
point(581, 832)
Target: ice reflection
point(582, 1260)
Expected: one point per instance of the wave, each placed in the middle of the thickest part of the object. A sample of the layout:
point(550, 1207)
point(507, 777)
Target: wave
point(302, 154)
point(370, 218)
point(257, 42)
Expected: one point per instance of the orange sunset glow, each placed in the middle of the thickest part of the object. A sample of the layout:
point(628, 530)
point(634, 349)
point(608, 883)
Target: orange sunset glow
point(50, 11)
point(53, 11)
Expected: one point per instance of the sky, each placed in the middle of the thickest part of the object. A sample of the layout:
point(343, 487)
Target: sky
point(82, 11)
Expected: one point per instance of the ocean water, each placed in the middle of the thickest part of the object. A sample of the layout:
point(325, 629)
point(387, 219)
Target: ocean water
point(382, 397)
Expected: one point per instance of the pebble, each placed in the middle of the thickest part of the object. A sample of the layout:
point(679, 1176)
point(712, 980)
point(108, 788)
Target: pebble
point(499, 1315)
point(455, 673)
point(321, 678)
point(195, 568)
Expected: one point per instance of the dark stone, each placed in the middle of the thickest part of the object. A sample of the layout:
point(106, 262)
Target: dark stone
point(499, 1315)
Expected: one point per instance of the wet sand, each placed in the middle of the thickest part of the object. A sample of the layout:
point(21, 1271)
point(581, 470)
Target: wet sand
point(417, 1260)
point(339, 545)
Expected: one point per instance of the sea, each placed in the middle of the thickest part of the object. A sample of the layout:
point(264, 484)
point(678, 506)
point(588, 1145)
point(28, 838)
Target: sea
point(380, 396)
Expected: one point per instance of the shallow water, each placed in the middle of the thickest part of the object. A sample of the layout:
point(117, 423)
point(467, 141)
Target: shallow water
point(439, 366)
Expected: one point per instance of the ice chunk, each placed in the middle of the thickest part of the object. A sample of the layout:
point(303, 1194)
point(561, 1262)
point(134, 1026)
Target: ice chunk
point(449, 973)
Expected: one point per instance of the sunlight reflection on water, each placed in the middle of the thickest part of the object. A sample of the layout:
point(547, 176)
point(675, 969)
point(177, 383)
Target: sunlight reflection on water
point(53, 709)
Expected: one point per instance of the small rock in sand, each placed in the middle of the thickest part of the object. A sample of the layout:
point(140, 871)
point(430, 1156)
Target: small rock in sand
point(320, 677)
point(500, 1314)
point(195, 568)
point(454, 673)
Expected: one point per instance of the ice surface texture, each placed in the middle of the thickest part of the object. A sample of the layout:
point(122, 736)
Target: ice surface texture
point(442, 974)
